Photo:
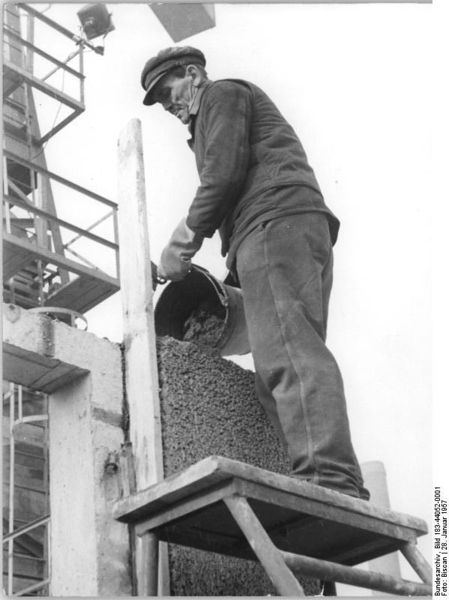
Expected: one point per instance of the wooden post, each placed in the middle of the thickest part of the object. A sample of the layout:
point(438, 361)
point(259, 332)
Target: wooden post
point(148, 567)
point(142, 384)
point(417, 561)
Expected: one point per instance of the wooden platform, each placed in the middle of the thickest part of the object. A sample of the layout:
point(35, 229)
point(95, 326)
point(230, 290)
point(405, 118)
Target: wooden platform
point(90, 287)
point(83, 293)
point(193, 508)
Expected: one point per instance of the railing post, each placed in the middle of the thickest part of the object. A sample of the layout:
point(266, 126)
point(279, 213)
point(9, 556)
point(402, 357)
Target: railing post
point(117, 241)
point(5, 193)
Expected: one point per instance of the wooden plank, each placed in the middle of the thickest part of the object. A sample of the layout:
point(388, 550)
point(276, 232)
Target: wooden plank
point(269, 556)
point(323, 569)
point(203, 540)
point(67, 296)
point(186, 507)
point(338, 514)
point(141, 373)
point(213, 469)
point(318, 494)
point(359, 532)
point(200, 476)
point(82, 294)
point(201, 521)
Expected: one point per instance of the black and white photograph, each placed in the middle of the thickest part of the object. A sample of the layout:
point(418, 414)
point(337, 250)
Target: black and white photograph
point(224, 312)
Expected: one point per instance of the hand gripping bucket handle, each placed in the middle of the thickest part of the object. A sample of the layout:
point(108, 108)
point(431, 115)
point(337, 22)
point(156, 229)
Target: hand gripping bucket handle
point(180, 298)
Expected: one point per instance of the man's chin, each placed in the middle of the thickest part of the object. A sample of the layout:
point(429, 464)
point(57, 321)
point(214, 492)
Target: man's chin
point(184, 117)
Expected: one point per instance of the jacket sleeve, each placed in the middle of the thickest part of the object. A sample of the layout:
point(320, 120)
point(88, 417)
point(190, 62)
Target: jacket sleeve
point(226, 118)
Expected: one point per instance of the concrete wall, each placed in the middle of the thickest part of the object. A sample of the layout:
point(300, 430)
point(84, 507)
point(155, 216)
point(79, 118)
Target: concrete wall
point(208, 406)
point(90, 553)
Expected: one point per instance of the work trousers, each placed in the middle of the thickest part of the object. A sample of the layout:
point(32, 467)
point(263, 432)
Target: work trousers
point(285, 271)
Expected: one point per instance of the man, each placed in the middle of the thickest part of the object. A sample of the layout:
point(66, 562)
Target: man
point(258, 190)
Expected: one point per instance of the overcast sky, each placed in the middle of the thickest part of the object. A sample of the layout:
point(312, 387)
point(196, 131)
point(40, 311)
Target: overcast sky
point(355, 83)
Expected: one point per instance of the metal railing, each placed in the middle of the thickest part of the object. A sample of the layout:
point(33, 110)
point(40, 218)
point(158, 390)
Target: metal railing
point(22, 70)
point(17, 418)
point(14, 197)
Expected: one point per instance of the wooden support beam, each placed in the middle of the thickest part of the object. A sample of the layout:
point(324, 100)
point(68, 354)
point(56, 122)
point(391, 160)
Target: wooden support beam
point(147, 574)
point(324, 569)
point(417, 561)
point(267, 553)
point(142, 385)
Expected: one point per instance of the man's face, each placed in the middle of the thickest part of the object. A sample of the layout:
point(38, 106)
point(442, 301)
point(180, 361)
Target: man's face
point(175, 94)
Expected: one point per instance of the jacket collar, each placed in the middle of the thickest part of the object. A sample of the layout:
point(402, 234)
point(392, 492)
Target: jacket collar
point(199, 95)
point(194, 110)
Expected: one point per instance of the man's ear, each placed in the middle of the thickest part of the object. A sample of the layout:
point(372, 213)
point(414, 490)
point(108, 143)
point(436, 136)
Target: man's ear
point(195, 74)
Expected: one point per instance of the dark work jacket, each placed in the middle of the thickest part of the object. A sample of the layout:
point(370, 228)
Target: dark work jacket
point(247, 154)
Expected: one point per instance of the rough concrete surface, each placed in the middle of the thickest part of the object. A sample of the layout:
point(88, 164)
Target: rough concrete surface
point(90, 549)
point(209, 406)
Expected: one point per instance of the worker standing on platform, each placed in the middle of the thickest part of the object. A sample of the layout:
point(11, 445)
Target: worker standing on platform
point(258, 190)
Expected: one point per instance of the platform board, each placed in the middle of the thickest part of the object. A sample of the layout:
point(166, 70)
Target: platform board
point(300, 518)
point(82, 294)
point(90, 287)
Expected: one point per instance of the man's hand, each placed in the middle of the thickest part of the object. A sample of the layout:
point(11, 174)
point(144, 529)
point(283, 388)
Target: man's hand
point(176, 256)
point(155, 277)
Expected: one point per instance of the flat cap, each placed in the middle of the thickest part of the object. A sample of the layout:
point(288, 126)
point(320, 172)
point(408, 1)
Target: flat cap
point(167, 59)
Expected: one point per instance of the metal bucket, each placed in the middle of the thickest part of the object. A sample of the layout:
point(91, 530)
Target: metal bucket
point(180, 298)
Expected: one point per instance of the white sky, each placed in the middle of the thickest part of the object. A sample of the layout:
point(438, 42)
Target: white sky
point(355, 81)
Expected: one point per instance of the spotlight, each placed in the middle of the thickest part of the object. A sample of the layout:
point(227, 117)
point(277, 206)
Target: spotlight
point(95, 20)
